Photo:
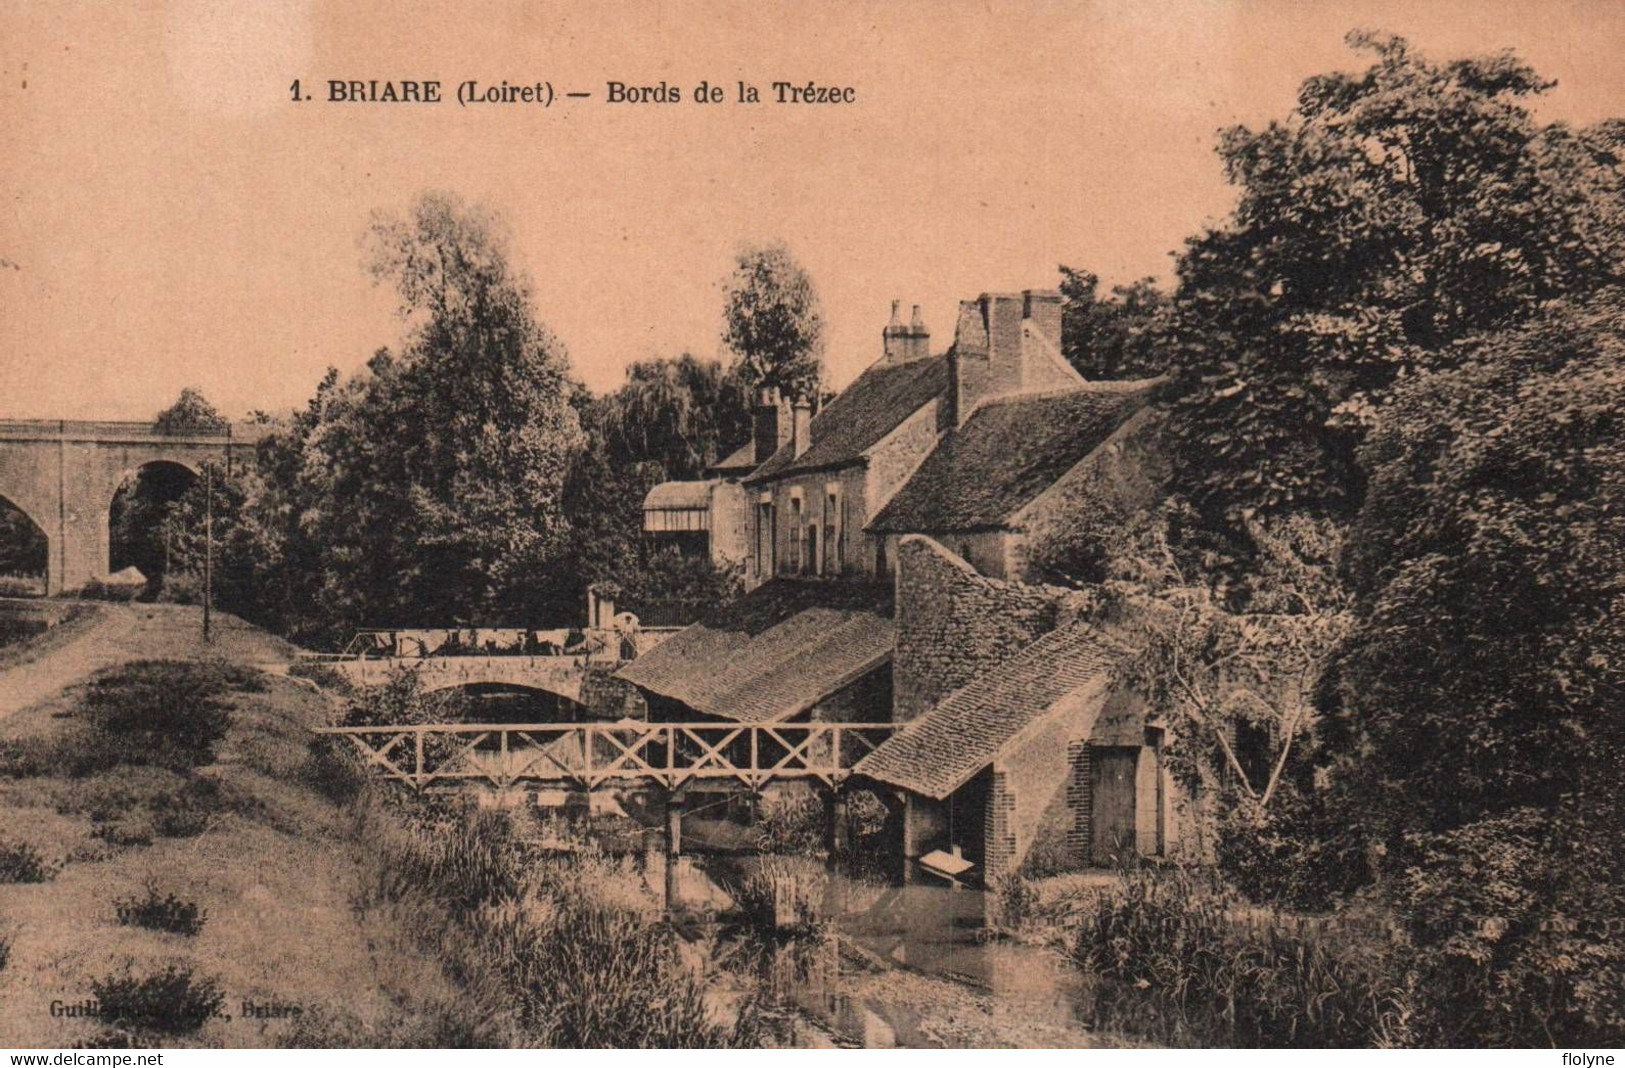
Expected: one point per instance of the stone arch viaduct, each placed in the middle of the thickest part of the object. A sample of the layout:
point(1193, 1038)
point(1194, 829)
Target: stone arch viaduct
point(63, 475)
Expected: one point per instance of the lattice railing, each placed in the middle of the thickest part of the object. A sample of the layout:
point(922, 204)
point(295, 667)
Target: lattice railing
point(589, 755)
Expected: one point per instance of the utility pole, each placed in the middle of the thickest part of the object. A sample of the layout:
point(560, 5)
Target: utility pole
point(208, 547)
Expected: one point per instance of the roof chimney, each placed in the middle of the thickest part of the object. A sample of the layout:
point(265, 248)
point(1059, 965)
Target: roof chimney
point(1008, 343)
point(771, 424)
point(802, 435)
point(894, 339)
point(919, 338)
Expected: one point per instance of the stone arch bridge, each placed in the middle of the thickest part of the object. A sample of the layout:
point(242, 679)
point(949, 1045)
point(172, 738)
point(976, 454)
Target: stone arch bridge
point(558, 675)
point(63, 474)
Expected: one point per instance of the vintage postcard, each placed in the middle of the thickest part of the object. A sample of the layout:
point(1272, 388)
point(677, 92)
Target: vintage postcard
point(724, 524)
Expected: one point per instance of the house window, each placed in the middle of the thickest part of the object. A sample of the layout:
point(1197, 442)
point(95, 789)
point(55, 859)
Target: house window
point(796, 534)
point(834, 531)
point(766, 547)
point(813, 565)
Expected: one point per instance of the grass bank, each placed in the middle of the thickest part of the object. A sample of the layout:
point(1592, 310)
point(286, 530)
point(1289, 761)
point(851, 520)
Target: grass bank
point(174, 858)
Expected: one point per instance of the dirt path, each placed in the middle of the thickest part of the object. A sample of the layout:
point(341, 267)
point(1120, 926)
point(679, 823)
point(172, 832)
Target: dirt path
point(94, 648)
point(122, 633)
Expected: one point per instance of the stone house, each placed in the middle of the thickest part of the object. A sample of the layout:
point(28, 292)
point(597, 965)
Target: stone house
point(1009, 486)
point(1022, 751)
point(706, 516)
point(894, 547)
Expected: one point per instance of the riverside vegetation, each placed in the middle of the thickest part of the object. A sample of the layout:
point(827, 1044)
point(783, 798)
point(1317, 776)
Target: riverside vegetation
point(198, 849)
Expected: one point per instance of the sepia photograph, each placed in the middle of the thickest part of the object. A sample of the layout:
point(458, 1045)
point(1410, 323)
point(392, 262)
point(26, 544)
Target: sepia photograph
point(884, 524)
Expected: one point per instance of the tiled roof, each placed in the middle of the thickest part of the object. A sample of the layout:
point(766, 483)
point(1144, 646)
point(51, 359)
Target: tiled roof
point(866, 411)
point(967, 730)
point(741, 459)
point(1007, 453)
point(678, 495)
point(774, 653)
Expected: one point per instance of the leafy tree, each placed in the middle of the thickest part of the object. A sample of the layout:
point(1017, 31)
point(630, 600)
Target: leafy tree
point(671, 420)
point(1395, 211)
point(683, 413)
point(190, 412)
point(773, 323)
point(429, 486)
point(461, 443)
point(1115, 336)
point(1236, 688)
point(1477, 736)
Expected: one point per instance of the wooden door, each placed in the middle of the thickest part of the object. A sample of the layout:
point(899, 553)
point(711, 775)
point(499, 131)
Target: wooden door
point(1113, 770)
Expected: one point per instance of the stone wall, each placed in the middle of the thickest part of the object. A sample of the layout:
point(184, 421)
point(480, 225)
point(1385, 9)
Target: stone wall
point(606, 697)
point(730, 524)
point(1039, 770)
point(999, 846)
point(954, 624)
point(66, 486)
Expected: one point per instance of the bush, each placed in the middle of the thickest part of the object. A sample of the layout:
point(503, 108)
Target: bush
point(464, 862)
point(783, 893)
point(335, 768)
point(179, 588)
point(171, 1002)
point(1516, 925)
point(22, 586)
point(790, 824)
point(134, 807)
point(27, 758)
point(1015, 903)
point(164, 712)
point(168, 913)
point(186, 812)
point(97, 590)
point(1244, 977)
point(20, 862)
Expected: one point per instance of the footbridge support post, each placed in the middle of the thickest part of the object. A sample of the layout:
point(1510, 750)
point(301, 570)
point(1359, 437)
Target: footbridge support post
point(674, 847)
point(838, 831)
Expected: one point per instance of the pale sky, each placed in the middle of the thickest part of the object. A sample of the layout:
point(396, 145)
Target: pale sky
point(171, 218)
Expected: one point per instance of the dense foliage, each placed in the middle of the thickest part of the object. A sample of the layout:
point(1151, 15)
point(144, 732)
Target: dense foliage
point(1403, 362)
point(466, 478)
point(1479, 734)
point(1395, 211)
point(1113, 336)
point(670, 421)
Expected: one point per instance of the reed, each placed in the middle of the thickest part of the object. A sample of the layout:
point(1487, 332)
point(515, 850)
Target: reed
point(1242, 976)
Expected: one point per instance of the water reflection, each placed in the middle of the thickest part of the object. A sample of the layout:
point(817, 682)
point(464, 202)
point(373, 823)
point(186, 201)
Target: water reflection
point(935, 932)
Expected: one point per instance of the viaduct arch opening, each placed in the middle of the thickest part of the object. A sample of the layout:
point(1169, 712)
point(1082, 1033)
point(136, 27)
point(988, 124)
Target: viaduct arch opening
point(146, 528)
point(25, 552)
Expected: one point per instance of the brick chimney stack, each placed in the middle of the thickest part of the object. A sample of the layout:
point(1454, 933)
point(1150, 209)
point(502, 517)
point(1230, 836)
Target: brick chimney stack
point(771, 424)
point(1007, 343)
point(802, 434)
point(894, 337)
point(919, 338)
